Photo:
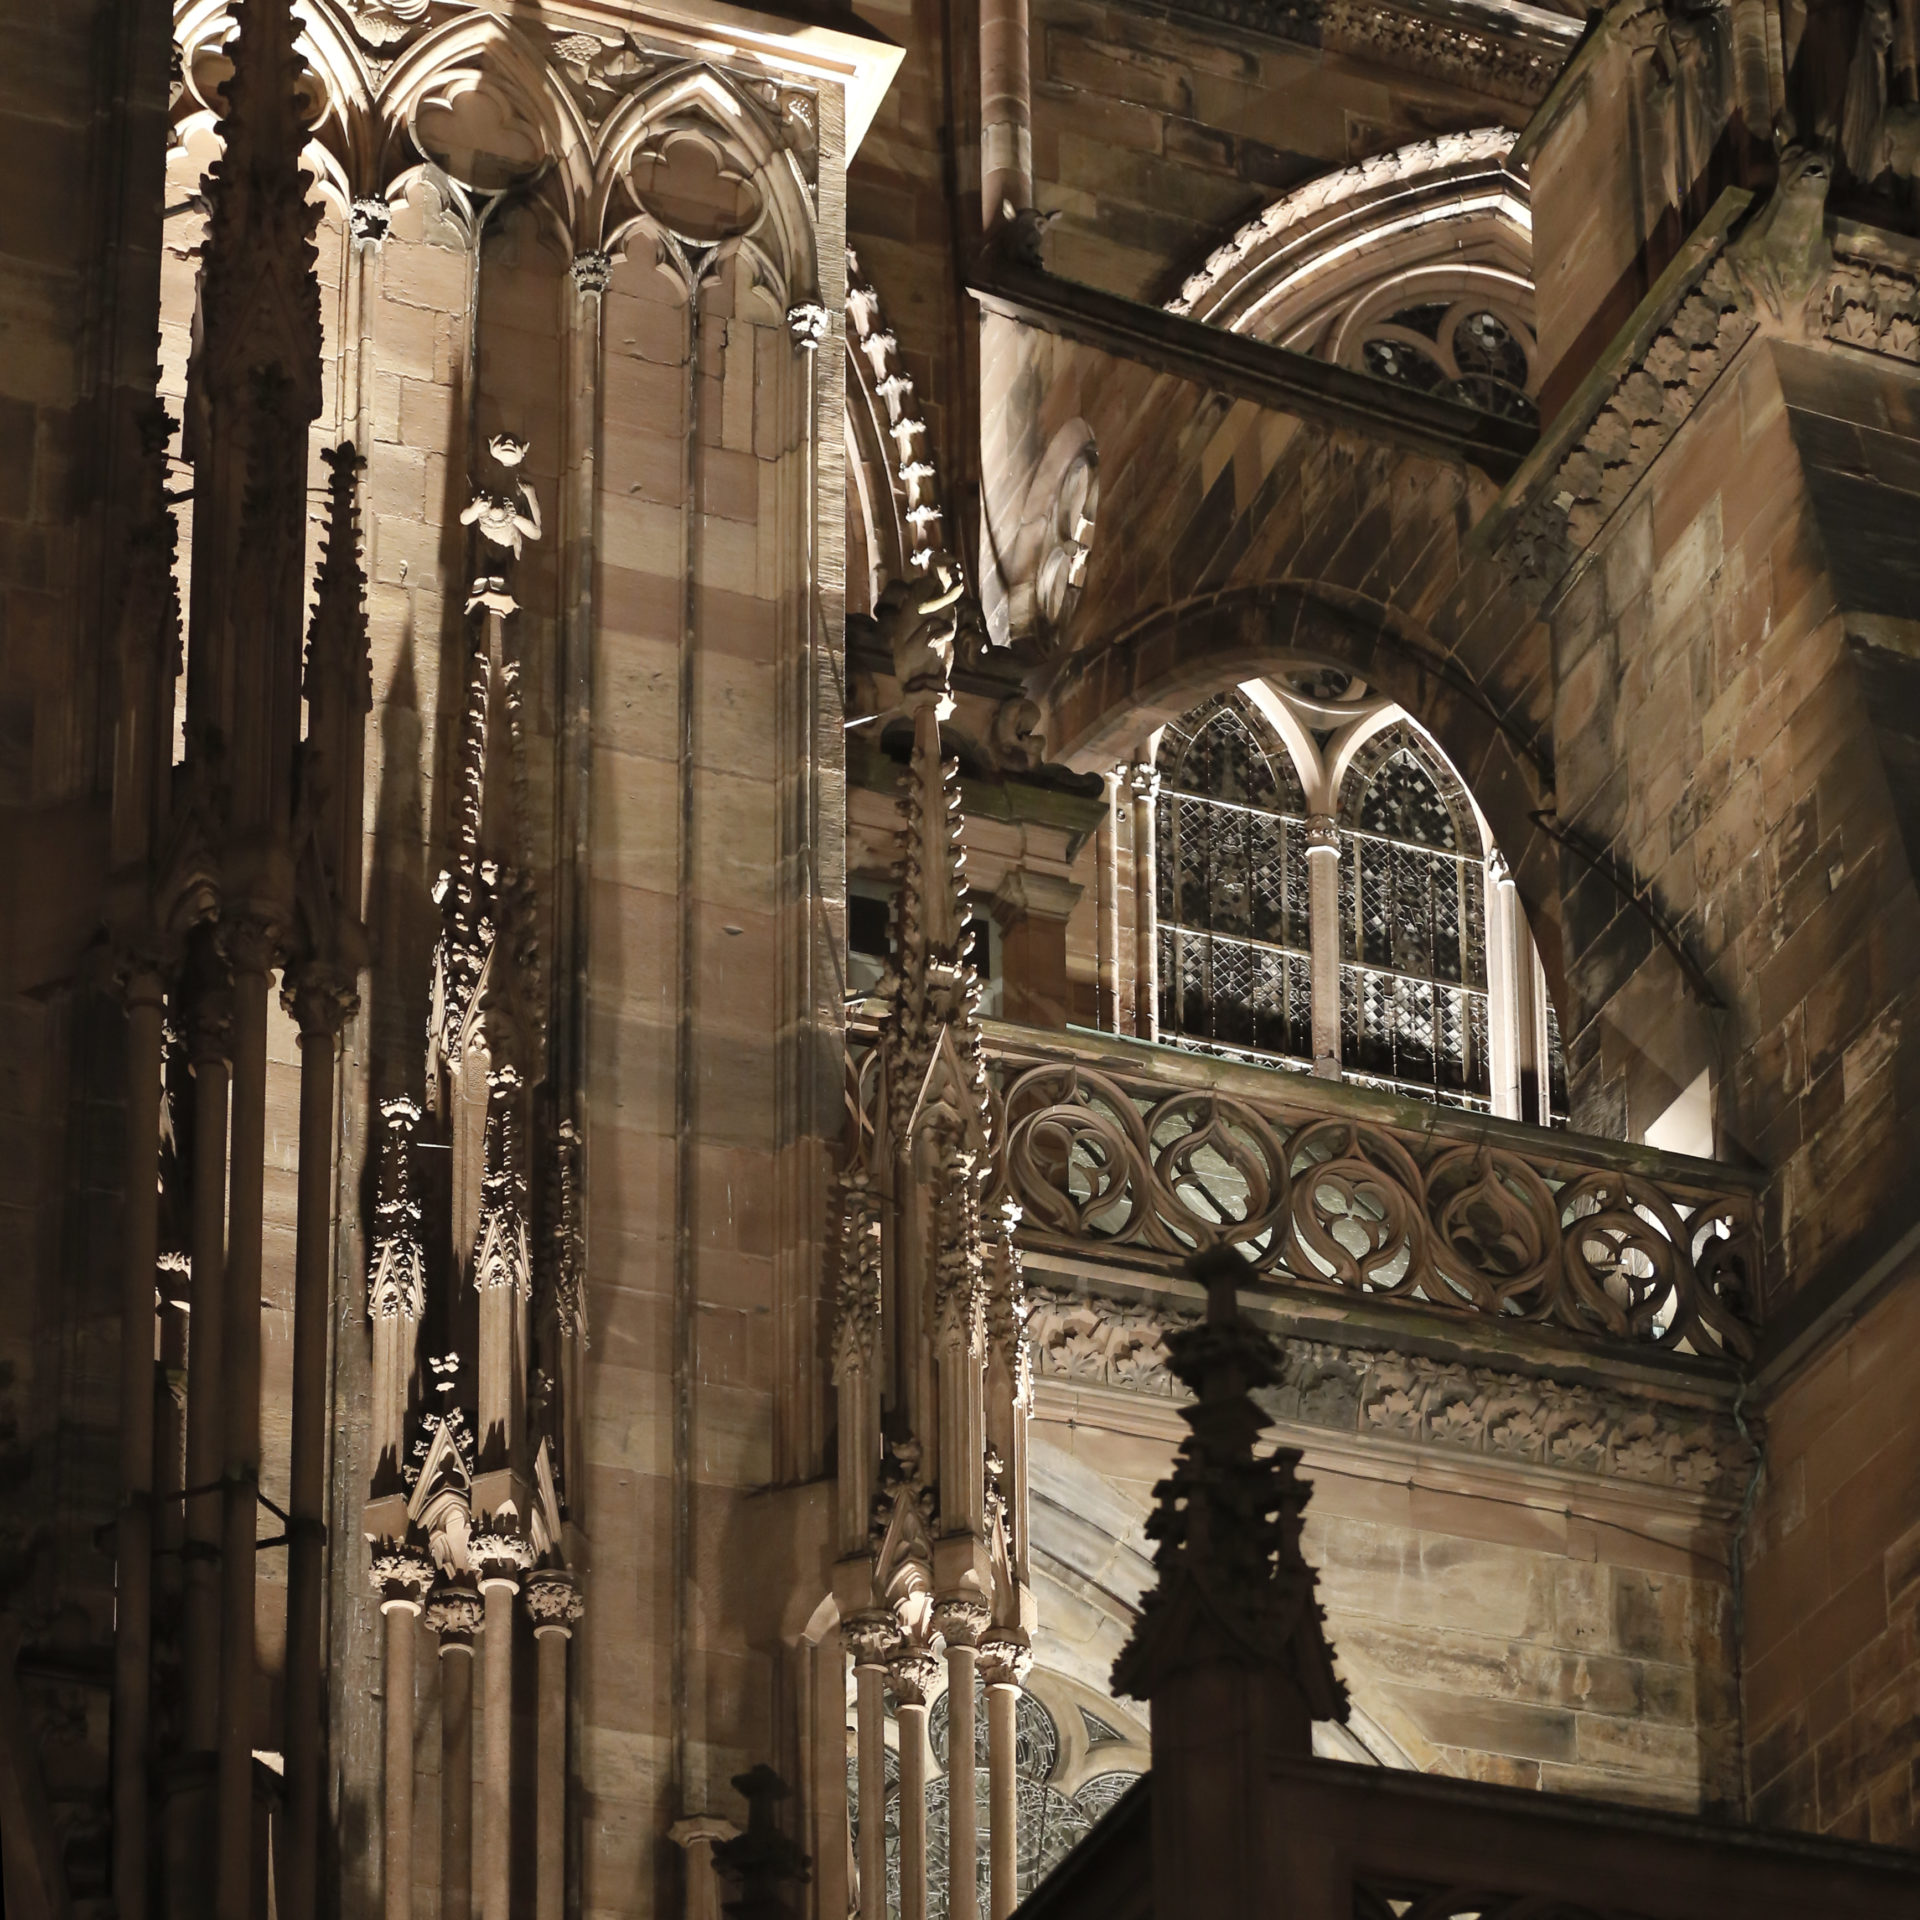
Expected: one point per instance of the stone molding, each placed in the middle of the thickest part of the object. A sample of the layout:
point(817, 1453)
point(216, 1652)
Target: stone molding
point(1519, 64)
point(1485, 146)
point(1874, 307)
point(1698, 316)
point(1101, 1341)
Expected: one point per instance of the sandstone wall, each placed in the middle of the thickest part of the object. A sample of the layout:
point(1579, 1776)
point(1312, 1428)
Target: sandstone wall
point(1711, 733)
point(1830, 1627)
point(1492, 1624)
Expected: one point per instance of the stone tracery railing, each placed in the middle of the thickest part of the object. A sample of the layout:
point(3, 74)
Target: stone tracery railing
point(1142, 1156)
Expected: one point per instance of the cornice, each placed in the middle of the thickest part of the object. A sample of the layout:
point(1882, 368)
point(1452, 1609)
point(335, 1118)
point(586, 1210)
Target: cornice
point(1508, 52)
point(1450, 1407)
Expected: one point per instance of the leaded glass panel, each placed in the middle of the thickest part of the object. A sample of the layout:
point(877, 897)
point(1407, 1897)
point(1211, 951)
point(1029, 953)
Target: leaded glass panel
point(1412, 926)
point(1231, 887)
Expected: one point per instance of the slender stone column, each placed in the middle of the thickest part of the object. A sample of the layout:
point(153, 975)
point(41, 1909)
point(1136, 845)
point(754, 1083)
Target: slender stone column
point(870, 1638)
point(1004, 1660)
point(189, 1843)
point(502, 1559)
point(553, 1604)
point(1143, 783)
point(401, 1575)
point(371, 218)
point(252, 950)
point(1323, 920)
point(133, 1532)
point(912, 1673)
point(1107, 858)
point(961, 1620)
point(1006, 111)
point(456, 1614)
point(321, 1006)
point(698, 1836)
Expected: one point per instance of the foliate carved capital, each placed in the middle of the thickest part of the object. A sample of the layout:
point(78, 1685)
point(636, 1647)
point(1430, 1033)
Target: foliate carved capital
point(254, 944)
point(553, 1601)
point(1323, 833)
point(1006, 1658)
point(592, 271)
point(401, 1573)
point(139, 975)
point(1142, 780)
point(319, 999)
point(456, 1614)
point(961, 1618)
point(870, 1638)
point(371, 218)
point(807, 322)
point(914, 1674)
point(501, 1557)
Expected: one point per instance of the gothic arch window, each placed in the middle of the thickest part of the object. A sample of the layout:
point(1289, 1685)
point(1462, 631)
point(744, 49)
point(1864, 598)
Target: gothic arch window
point(1413, 925)
point(1231, 879)
point(1417, 996)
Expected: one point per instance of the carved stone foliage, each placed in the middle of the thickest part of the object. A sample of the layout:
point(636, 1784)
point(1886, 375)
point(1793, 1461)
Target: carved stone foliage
point(1094, 1340)
point(1235, 259)
point(1439, 1216)
point(1518, 65)
point(1873, 307)
point(1651, 398)
point(902, 437)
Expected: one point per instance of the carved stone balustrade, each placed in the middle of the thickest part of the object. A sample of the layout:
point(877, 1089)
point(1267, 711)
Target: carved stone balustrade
point(1133, 1157)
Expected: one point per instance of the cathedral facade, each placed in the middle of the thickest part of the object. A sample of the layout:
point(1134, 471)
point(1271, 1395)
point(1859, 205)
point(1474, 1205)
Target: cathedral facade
point(725, 732)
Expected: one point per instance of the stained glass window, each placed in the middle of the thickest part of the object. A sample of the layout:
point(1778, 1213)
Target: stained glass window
point(1460, 351)
point(1413, 938)
point(1230, 830)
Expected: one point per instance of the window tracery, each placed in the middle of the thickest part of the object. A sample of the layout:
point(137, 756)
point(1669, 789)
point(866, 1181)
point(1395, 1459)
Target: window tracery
point(1231, 830)
point(1413, 939)
point(1067, 1778)
point(1249, 783)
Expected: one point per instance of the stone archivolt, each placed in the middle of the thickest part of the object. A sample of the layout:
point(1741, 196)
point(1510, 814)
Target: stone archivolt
point(1087, 1339)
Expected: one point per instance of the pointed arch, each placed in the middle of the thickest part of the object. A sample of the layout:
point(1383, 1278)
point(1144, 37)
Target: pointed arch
point(699, 101)
point(475, 53)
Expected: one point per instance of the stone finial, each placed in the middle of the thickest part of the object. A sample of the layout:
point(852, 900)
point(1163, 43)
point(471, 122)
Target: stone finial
point(1234, 1588)
point(764, 1860)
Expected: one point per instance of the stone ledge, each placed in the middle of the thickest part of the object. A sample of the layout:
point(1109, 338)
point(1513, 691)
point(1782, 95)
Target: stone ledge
point(1080, 1338)
point(1248, 369)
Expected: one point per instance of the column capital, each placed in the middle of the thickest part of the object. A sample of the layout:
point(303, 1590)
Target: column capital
point(320, 999)
point(961, 1618)
point(913, 1673)
point(1323, 833)
point(456, 1614)
point(1141, 778)
point(1006, 1657)
point(501, 1557)
point(871, 1638)
point(402, 1574)
point(554, 1604)
point(592, 270)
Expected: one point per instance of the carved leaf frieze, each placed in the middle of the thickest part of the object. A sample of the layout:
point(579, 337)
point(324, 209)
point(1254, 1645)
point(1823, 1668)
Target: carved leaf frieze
point(1101, 1341)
